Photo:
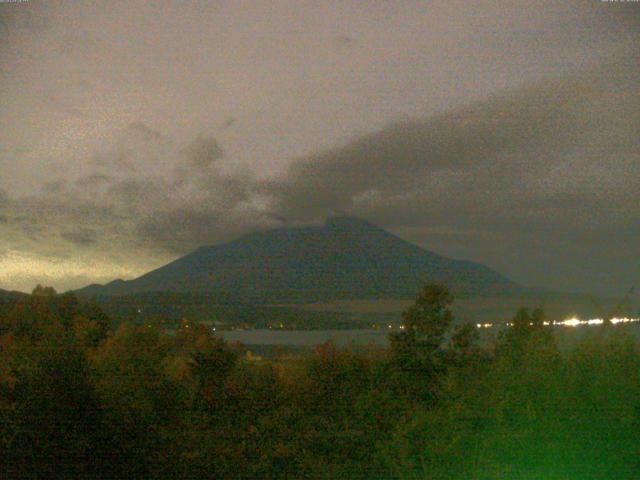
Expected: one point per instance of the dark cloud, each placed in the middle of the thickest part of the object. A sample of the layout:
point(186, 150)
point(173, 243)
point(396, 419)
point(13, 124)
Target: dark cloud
point(549, 170)
point(13, 18)
point(174, 229)
point(558, 162)
point(343, 41)
point(204, 152)
point(620, 14)
point(83, 237)
point(229, 122)
point(486, 162)
point(184, 201)
point(479, 131)
point(135, 148)
point(37, 232)
point(93, 180)
point(141, 130)
point(55, 186)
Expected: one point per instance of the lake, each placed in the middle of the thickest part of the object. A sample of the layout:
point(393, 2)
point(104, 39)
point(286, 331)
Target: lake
point(565, 336)
point(305, 338)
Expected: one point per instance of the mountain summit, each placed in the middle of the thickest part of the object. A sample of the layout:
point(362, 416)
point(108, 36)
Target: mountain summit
point(347, 258)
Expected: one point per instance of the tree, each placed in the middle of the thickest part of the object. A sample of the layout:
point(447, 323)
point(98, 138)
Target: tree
point(426, 321)
point(525, 328)
point(416, 349)
point(463, 341)
point(48, 408)
point(41, 291)
point(92, 325)
point(138, 399)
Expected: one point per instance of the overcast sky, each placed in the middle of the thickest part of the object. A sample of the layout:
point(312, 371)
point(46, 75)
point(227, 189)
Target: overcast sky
point(503, 132)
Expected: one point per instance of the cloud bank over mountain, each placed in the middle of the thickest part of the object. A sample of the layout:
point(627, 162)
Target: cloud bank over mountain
point(513, 143)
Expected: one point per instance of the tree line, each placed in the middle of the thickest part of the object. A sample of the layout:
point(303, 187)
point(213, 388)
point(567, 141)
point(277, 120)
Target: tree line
point(82, 398)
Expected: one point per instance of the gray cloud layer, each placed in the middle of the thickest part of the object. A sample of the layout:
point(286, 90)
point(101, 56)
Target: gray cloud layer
point(539, 182)
point(517, 145)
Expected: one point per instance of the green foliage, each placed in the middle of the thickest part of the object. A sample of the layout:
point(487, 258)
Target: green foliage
point(429, 318)
point(80, 400)
point(49, 414)
point(528, 412)
point(417, 352)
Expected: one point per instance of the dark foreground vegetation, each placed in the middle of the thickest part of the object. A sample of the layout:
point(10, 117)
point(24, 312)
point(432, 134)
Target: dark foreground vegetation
point(81, 400)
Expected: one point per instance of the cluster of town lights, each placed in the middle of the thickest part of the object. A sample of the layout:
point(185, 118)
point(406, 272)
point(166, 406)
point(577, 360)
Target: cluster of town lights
point(572, 322)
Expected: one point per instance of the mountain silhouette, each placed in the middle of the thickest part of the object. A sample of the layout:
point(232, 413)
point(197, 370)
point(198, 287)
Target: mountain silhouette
point(10, 294)
point(347, 258)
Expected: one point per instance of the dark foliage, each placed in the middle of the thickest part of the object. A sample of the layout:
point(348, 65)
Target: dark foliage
point(80, 399)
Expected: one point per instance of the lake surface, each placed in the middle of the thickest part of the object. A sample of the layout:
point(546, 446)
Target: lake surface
point(566, 337)
point(306, 338)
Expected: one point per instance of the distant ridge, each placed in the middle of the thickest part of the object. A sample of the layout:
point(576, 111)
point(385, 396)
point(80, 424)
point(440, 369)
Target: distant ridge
point(8, 299)
point(10, 294)
point(346, 258)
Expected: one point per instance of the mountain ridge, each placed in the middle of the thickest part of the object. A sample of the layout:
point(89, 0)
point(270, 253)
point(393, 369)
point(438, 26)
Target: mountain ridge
point(346, 257)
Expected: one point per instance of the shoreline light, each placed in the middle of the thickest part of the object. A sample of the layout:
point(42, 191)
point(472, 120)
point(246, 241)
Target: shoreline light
point(570, 322)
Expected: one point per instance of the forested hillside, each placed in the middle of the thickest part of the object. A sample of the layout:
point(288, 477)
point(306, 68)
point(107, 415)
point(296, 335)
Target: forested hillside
point(79, 399)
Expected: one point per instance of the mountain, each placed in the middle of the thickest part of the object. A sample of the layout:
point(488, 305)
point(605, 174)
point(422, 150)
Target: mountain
point(347, 258)
point(10, 295)
point(8, 300)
